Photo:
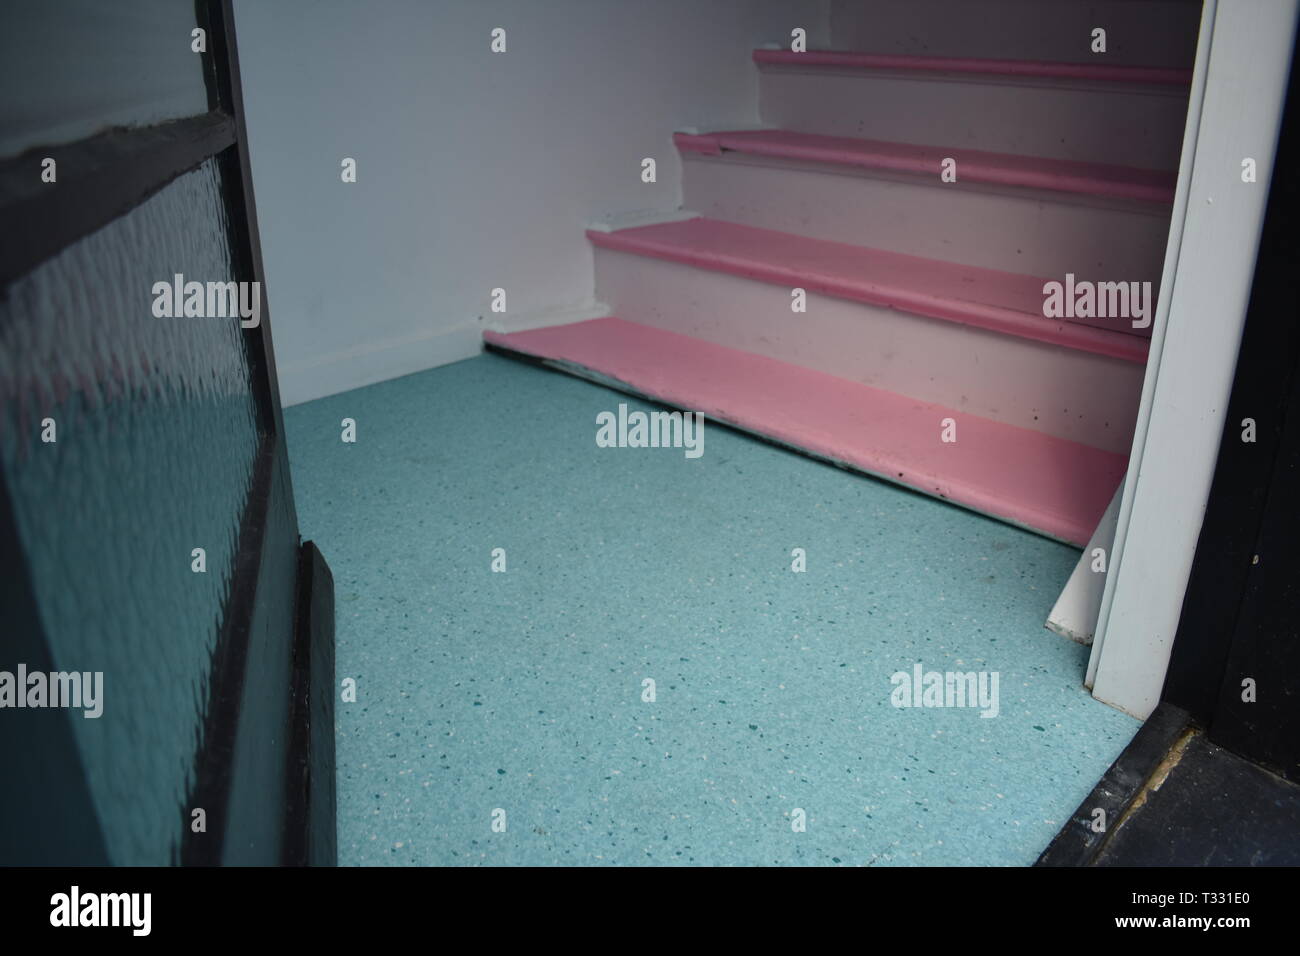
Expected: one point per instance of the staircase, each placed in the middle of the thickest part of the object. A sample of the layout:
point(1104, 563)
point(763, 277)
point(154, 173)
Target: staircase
point(924, 298)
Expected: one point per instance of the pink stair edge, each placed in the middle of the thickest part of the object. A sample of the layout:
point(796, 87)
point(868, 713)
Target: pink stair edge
point(973, 165)
point(1002, 302)
point(1057, 487)
point(1159, 76)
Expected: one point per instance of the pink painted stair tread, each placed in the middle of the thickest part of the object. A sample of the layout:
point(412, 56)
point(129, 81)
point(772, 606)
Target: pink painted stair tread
point(1040, 69)
point(972, 165)
point(1002, 302)
point(1057, 487)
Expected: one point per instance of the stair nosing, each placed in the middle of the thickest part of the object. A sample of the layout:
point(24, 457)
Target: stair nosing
point(1070, 177)
point(978, 66)
point(962, 490)
point(989, 317)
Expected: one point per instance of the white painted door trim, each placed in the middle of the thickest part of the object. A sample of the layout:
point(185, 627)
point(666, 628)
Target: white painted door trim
point(1234, 112)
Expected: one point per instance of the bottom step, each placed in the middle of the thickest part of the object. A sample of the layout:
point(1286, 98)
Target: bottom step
point(1056, 487)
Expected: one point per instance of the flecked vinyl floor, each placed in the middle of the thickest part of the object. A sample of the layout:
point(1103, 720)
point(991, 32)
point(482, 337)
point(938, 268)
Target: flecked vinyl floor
point(501, 718)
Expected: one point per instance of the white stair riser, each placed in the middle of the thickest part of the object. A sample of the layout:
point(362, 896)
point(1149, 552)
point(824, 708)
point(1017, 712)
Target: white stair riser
point(1070, 394)
point(1105, 123)
point(1023, 231)
point(1160, 33)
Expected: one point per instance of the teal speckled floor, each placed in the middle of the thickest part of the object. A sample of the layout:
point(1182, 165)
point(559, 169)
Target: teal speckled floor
point(521, 692)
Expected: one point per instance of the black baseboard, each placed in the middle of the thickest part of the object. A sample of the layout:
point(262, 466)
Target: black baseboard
point(1078, 844)
point(310, 839)
point(1212, 808)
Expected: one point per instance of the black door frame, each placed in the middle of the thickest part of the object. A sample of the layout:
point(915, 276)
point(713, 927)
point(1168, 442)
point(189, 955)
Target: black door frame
point(263, 768)
point(1240, 611)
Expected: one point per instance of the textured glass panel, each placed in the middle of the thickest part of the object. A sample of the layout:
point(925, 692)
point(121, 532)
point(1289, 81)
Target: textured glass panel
point(156, 436)
point(72, 68)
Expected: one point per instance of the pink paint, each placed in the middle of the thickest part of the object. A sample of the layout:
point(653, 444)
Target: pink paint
point(985, 298)
point(944, 64)
point(972, 165)
point(1058, 487)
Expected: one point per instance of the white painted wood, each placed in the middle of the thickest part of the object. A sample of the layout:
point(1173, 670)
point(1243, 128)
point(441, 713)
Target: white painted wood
point(1076, 395)
point(1034, 232)
point(640, 217)
point(1075, 613)
point(716, 128)
point(512, 322)
point(1242, 64)
point(1063, 119)
point(319, 376)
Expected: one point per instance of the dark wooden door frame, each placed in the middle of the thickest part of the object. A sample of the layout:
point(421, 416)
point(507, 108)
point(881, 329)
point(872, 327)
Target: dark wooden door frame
point(263, 770)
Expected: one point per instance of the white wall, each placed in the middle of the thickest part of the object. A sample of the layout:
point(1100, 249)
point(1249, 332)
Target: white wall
point(475, 170)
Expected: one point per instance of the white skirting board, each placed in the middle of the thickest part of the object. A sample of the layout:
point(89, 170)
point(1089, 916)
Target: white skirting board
point(560, 315)
point(329, 374)
point(1075, 613)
